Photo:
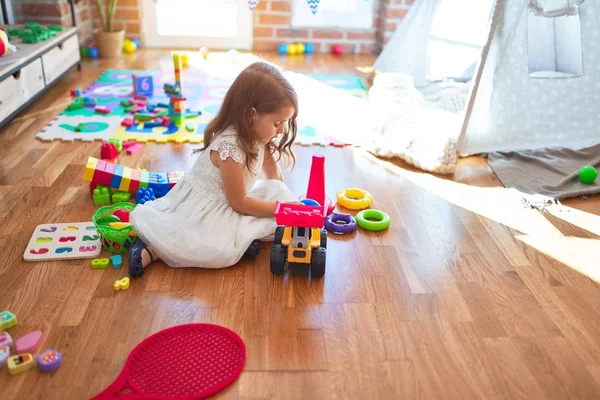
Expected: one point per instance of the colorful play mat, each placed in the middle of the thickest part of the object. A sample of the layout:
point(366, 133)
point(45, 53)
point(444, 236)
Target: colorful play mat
point(203, 91)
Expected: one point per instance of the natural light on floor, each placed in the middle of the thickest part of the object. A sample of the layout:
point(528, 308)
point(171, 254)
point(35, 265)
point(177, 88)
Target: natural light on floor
point(505, 207)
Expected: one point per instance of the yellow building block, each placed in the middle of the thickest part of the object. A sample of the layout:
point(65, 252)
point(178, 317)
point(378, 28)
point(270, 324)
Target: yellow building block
point(126, 180)
point(20, 363)
point(122, 284)
point(90, 168)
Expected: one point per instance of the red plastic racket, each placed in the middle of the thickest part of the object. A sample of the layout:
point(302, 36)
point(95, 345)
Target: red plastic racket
point(185, 362)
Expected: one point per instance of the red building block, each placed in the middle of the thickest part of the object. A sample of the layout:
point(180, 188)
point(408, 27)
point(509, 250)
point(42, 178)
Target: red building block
point(108, 151)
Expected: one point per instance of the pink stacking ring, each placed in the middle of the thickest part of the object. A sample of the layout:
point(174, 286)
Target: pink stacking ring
point(340, 223)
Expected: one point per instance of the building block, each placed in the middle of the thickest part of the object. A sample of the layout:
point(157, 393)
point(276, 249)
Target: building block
point(119, 196)
point(102, 110)
point(101, 196)
point(152, 124)
point(124, 186)
point(130, 107)
point(100, 263)
point(104, 172)
point(49, 360)
point(90, 168)
point(118, 143)
point(20, 363)
point(127, 122)
point(108, 151)
point(134, 149)
point(117, 176)
point(7, 320)
point(134, 185)
point(125, 103)
point(29, 343)
point(5, 339)
point(143, 117)
point(134, 110)
point(76, 105)
point(144, 178)
point(116, 260)
point(161, 114)
point(139, 103)
point(128, 144)
point(143, 85)
point(143, 195)
point(80, 127)
point(122, 284)
point(88, 101)
point(4, 354)
point(141, 97)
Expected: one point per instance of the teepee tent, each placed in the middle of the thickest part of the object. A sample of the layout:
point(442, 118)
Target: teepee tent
point(514, 106)
point(532, 67)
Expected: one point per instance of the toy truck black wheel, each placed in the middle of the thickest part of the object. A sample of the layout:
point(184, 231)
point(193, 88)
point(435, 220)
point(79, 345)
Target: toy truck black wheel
point(317, 262)
point(278, 259)
point(278, 234)
point(323, 238)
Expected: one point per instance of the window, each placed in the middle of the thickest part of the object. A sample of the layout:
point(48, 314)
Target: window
point(352, 14)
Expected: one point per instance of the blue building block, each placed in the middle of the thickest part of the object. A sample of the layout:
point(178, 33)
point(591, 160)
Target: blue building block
point(77, 93)
point(117, 176)
point(143, 85)
point(116, 261)
point(143, 195)
point(159, 183)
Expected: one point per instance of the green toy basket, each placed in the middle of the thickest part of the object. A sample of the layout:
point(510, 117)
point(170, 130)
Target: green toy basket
point(115, 240)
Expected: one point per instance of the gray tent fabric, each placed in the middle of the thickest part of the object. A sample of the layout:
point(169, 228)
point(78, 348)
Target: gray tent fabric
point(550, 172)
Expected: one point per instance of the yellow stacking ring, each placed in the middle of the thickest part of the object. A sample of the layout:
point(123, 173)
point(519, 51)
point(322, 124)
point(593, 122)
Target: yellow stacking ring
point(354, 199)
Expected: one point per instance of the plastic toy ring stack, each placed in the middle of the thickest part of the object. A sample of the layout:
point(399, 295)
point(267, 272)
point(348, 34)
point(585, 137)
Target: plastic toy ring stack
point(354, 199)
point(348, 226)
point(382, 220)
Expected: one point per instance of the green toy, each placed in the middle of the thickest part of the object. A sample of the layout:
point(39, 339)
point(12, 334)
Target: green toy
point(588, 174)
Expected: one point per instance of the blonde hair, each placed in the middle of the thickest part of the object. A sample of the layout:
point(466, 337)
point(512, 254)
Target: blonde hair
point(262, 87)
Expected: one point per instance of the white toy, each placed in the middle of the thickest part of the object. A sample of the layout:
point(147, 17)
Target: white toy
point(73, 240)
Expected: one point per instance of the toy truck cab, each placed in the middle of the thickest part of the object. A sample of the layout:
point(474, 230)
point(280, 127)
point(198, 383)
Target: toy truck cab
point(300, 239)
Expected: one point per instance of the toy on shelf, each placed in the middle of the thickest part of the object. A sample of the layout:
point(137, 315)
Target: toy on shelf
point(299, 238)
point(7, 320)
point(373, 220)
point(29, 343)
point(340, 223)
point(4, 45)
point(588, 174)
point(143, 85)
point(126, 179)
point(49, 360)
point(354, 199)
point(35, 33)
point(73, 240)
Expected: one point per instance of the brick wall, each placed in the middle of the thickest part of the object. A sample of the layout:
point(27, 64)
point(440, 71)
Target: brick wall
point(59, 12)
point(128, 17)
point(272, 25)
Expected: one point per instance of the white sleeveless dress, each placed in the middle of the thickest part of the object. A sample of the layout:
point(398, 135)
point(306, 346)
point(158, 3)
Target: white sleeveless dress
point(194, 226)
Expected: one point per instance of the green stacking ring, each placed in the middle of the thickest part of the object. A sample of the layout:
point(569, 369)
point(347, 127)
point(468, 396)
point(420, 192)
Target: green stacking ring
point(383, 220)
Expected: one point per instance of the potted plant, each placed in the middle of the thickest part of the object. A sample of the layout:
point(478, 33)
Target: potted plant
point(108, 41)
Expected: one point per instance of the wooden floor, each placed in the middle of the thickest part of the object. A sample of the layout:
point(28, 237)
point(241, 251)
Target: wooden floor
point(468, 295)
